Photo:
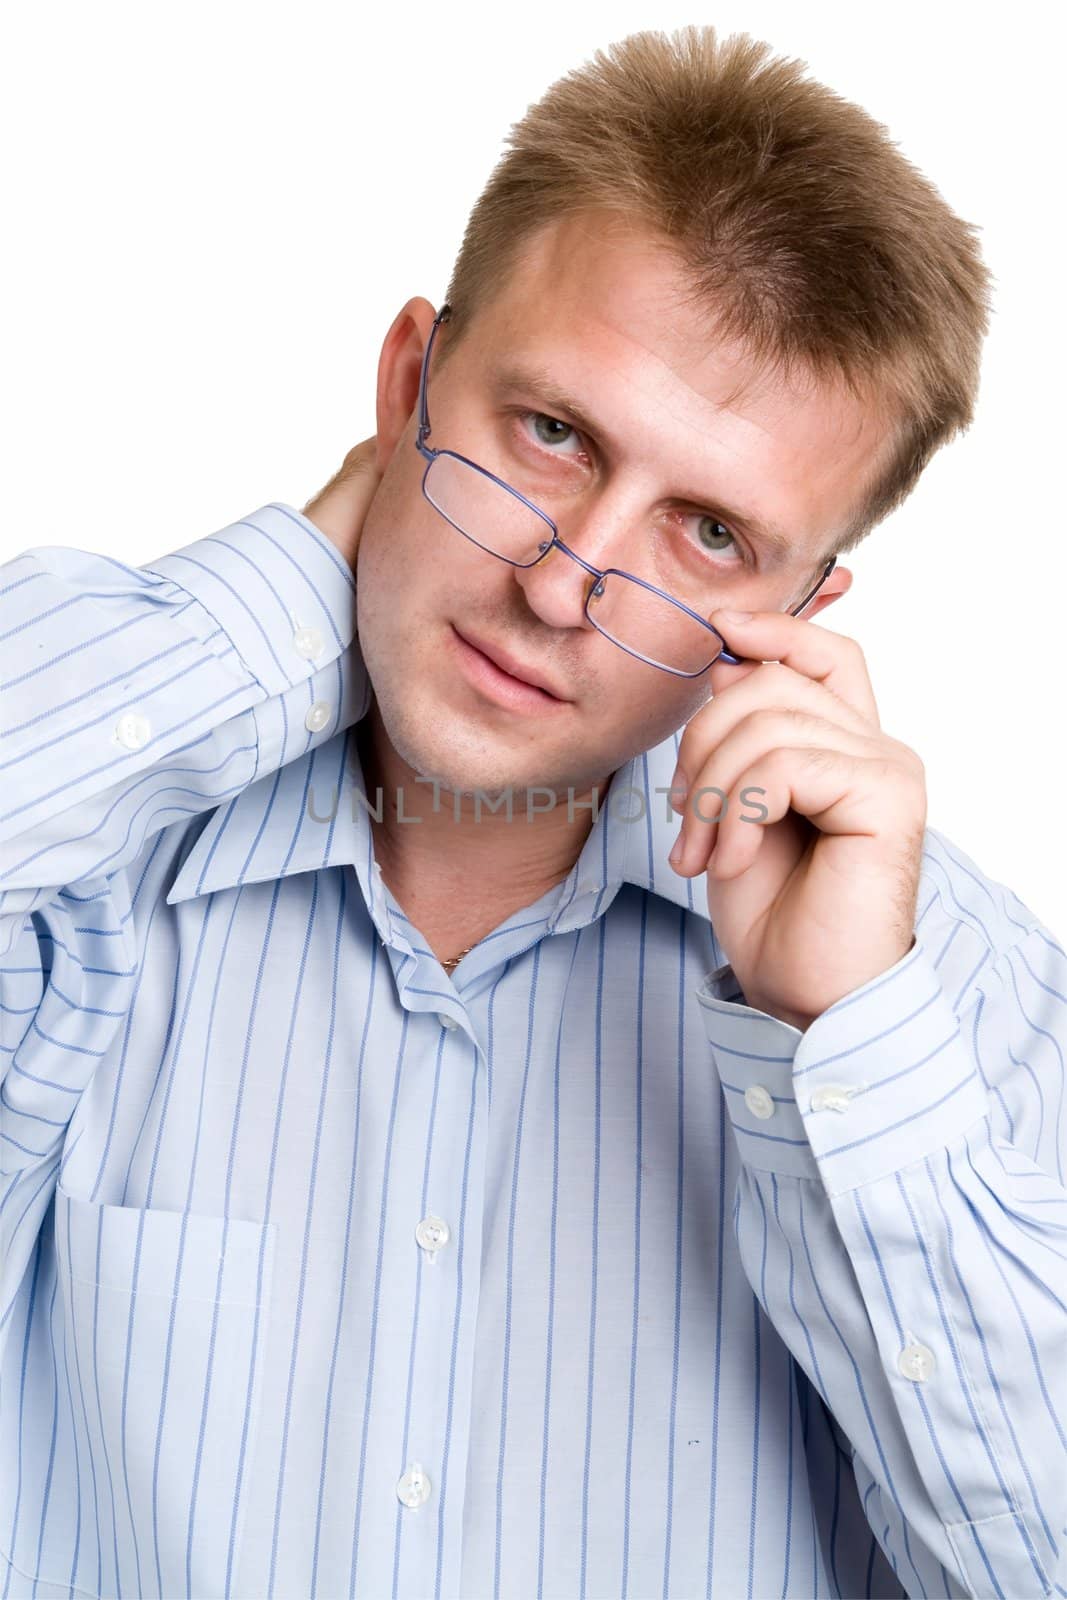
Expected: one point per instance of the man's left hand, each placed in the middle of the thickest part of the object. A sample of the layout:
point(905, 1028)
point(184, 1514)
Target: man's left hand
point(818, 896)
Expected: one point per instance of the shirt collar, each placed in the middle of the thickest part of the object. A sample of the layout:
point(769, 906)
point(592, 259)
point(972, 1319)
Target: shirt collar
point(302, 817)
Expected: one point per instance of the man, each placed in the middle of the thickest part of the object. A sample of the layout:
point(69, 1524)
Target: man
point(418, 1185)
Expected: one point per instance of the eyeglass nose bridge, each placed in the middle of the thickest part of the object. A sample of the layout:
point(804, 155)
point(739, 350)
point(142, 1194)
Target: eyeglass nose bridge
point(599, 574)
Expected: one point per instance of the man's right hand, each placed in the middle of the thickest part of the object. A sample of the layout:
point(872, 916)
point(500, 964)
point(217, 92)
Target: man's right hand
point(341, 505)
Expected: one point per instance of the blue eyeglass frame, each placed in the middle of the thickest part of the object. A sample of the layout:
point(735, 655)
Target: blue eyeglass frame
point(595, 589)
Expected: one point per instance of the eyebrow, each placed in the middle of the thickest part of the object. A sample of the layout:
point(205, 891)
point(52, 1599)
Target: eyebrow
point(539, 383)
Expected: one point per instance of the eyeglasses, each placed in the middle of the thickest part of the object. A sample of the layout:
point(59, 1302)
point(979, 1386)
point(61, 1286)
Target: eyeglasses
point(639, 617)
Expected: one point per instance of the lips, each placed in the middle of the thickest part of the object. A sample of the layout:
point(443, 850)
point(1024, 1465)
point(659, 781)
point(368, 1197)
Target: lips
point(510, 664)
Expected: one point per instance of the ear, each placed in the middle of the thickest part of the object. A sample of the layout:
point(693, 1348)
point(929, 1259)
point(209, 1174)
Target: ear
point(838, 583)
point(399, 370)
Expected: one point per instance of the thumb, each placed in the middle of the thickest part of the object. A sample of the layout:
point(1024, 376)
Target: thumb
point(341, 505)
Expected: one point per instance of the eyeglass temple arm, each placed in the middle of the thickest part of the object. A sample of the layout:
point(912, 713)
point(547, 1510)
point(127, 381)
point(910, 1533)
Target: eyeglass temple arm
point(829, 567)
point(424, 410)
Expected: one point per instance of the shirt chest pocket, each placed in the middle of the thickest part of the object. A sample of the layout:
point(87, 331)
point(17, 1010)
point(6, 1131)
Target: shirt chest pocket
point(167, 1317)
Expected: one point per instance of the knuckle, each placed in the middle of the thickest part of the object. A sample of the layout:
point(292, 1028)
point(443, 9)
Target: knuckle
point(903, 757)
point(910, 758)
point(769, 719)
point(776, 669)
point(802, 721)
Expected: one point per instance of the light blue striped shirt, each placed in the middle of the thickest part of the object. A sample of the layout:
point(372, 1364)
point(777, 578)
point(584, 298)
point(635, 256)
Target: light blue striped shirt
point(327, 1275)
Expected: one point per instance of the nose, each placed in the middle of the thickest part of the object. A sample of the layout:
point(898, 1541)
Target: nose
point(555, 588)
point(601, 535)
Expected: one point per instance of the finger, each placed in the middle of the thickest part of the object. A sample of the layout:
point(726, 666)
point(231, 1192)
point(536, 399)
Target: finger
point(840, 792)
point(340, 505)
point(832, 659)
point(730, 781)
point(766, 686)
point(361, 462)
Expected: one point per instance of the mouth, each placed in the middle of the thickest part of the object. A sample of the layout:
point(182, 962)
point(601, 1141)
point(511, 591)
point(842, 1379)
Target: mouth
point(500, 677)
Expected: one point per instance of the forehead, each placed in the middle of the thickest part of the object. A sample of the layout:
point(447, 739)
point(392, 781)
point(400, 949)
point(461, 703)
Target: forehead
point(605, 311)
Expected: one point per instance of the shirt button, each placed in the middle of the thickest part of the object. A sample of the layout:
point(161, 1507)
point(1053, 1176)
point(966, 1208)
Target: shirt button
point(431, 1233)
point(832, 1096)
point(133, 730)
point(916, 1361)
point(759, 1101)
point(318, 716)
point(447, 1021)
point(413, 1489)
point(307, 642)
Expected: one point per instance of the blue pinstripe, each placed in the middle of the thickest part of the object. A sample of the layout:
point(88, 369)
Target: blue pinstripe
point(658, 1354)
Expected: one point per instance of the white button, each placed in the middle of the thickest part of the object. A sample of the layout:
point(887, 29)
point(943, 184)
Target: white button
point(307, 642)
point(133, 730)
point(446, 1021)
point(916, 1361)
point(832, 1096)
point(413, 1489)
point(431, 1233)
point(318, 716)
point(759, 1101)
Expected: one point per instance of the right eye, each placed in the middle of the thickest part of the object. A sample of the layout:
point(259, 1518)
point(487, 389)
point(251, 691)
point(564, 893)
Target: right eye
point(543, 437)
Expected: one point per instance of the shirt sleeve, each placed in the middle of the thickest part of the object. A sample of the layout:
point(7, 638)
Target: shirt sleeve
point(901, 1216)
point(133, 698)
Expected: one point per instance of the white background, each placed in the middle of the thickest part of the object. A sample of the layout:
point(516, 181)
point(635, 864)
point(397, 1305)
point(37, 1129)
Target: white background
point(213, 213)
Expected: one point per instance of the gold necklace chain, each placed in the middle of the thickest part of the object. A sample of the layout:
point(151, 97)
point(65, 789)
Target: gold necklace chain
point(454, 961)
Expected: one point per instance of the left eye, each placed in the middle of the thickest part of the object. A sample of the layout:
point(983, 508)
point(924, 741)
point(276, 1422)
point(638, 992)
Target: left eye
point(708, 531)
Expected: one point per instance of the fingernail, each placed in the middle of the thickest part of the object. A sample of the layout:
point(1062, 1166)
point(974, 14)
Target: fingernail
point(677, 851)
point(679, 789)
point(735, 616)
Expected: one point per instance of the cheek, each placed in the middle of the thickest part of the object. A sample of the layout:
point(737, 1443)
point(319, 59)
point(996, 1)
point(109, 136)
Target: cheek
point(670, 701)
point(678, 708)
point(394, 533)
point(651, 711)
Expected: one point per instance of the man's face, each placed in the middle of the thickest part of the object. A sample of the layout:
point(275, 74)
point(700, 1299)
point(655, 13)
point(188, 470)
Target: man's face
point(596, 307)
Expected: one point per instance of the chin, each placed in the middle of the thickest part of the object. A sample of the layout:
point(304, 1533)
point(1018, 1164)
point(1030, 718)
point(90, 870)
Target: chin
point(447, 748)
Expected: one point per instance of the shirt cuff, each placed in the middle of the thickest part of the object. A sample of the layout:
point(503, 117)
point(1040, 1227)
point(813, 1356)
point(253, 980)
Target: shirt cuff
point(883, 1078)
point(279, 589)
